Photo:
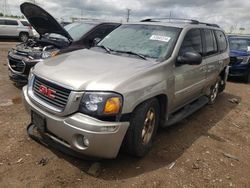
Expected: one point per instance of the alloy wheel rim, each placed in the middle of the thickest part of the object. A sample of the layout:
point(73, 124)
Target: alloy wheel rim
point(24, 38)
point(214, 92)
point(149, 125)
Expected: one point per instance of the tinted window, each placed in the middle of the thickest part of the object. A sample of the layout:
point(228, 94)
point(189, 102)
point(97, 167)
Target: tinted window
point(222, 41)
point(2, 22)
point(192, 42)
point(77, 30)
point(104, 30)
point(11, 22)
point(25, 23)
point(148, 40)
point(211, 45)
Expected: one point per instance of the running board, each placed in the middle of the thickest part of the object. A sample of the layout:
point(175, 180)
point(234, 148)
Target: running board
point(186, 111)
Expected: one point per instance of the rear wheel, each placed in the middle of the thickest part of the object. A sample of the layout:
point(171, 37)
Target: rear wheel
point(214, 91)
point(23, 37)
point(143, 127)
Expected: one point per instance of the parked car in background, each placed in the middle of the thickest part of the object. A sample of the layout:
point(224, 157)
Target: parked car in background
point(239, 57)
point(141, 76)
point(53, 40)
point(15, 28)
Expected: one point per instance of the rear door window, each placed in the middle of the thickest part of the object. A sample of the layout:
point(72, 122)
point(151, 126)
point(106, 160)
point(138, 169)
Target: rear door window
point(2, 22)
point(210, 42)
point(222, 41)
point(11, 22)
point(192, 42)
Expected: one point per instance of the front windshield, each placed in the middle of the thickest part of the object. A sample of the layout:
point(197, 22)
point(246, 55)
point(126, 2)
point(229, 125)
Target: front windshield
point(76, 30)
point(151, 41)
point(239, 44)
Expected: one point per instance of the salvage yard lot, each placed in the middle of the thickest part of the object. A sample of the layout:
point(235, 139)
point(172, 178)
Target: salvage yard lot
point(211, 148)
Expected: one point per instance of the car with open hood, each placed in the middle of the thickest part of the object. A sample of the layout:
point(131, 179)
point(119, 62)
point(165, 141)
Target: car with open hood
point(54, 40)
point(141, 76)
point(239, 57)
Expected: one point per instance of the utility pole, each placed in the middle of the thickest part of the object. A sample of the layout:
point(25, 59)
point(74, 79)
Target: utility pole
point(128, 14)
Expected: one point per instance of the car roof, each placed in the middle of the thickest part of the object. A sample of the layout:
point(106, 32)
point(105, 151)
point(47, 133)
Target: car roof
point(97, 22)
point(178, 23)
point(6, 18)
point(239, 36)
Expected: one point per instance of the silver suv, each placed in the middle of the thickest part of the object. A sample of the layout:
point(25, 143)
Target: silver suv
point(141, 76)
point(14, 28)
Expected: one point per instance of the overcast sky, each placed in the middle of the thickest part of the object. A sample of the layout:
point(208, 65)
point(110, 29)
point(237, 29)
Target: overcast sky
point(226, 13)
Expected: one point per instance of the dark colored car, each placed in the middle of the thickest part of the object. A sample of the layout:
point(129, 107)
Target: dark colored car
point(239, 57)
point(54, 40)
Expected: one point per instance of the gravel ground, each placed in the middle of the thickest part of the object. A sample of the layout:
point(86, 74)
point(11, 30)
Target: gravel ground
point(211, 148)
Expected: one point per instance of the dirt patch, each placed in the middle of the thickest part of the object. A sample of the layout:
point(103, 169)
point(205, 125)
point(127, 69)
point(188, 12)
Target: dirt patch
point(211, 148)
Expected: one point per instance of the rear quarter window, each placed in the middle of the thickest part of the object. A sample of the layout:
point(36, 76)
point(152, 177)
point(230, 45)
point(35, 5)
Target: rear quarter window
point(11, 22)
point(25, 23)
point(222, 41)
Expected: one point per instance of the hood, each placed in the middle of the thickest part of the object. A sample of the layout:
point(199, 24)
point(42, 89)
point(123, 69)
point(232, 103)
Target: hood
point(42, 21)
point(239, 53)
point(90, 70)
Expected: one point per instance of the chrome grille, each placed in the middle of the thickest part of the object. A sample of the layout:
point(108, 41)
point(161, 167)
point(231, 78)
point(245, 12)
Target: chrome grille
point(17, 65)
point(60, 94)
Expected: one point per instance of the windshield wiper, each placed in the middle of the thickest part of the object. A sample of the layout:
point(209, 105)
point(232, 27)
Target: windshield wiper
point(131, 53)
point(104, 47)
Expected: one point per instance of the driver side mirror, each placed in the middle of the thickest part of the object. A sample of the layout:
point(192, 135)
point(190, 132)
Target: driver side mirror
point(189, 58)
point(96, 41)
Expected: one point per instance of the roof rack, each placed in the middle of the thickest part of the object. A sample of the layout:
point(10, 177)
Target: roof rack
point(179, 19)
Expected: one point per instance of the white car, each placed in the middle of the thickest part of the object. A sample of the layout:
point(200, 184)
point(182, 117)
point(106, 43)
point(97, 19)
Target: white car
point(14, 28)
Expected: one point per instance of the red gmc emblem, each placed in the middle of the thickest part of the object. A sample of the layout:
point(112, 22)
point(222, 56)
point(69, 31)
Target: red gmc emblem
point(47, 92)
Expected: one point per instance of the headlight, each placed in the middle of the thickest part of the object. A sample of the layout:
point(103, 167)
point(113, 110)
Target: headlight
point(47, 54)
point(101, 104)
point(244, 60)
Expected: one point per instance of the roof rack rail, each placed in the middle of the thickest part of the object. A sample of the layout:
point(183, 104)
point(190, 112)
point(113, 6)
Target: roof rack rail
point(169, 19)
point(179, 19)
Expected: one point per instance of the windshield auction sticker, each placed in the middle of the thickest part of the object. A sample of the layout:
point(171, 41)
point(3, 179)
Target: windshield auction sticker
point(160, 38)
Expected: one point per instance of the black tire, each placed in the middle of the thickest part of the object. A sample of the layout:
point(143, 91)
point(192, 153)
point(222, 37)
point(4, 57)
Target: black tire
point(214, 92)
point(134, 142)
point(247, 76)
point(222, 86)
point(23, 37)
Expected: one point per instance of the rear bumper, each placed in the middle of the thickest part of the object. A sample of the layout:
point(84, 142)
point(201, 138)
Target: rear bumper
point(105, 138)
point(238, 71)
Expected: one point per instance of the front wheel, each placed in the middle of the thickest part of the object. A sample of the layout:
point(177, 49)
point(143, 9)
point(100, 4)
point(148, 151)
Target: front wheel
point(23, 37)
point(143, 126)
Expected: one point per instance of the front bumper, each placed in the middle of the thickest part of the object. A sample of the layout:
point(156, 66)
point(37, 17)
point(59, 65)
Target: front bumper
point(105, 138)
point(18, 78)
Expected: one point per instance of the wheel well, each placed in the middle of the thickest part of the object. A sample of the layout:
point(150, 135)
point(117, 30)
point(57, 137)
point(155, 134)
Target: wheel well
point(223, 74)
point(23, 32)
point(163, 100)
